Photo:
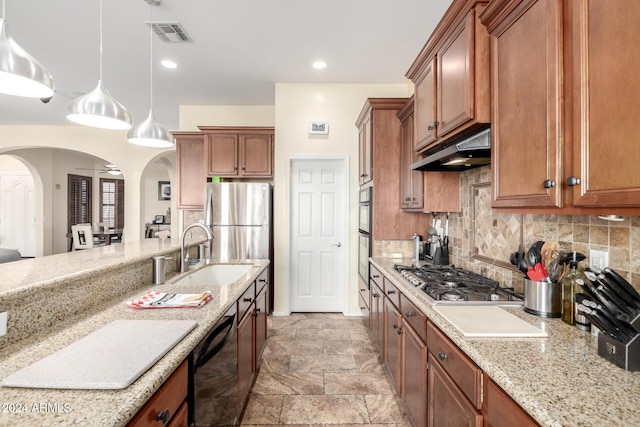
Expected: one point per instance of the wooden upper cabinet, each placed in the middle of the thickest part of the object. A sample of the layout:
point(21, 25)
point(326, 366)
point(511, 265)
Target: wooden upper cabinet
point(191, 176)
point(243, 152)
point(410, 181)
point(565, 91)
point(606, 92)
point(366, 150)
point(527, 107)
point(451, 77)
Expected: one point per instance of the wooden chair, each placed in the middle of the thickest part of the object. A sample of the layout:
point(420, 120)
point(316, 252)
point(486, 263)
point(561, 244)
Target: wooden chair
point(82, 235)
point(164, 234)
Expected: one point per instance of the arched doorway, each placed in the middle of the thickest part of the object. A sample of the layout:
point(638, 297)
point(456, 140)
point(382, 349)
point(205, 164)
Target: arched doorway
point(17, 207)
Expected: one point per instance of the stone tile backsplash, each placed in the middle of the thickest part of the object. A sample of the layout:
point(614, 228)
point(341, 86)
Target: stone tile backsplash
point(481, 241)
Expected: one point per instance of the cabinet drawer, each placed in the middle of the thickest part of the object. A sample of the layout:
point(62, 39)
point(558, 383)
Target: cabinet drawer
point(414, 317)
point(465, 373)
point(376, 276)
point(182, 417)
point(245, 301)
point(392, 293)
point(262, 280)
point(168, 398)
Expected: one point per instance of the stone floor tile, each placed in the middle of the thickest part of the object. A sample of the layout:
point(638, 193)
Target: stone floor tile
point(263, 409)
point(294, 347)
point(386, 408)
point(323, 334)
point(348, 347)
point(272, 362)
point(324, 409)
point(289, 383)
point(357, 383)
point(322, 363)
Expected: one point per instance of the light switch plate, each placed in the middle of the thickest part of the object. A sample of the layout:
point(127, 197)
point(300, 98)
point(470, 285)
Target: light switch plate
point(3, 323)
point(598, 259)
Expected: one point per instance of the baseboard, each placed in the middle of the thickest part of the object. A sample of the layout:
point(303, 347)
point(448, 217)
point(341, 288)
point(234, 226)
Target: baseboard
point(280, 313)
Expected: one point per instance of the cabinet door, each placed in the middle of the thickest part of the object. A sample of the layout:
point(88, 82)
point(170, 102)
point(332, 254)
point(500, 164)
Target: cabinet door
point(245, 358)
point(222, 155)
point(190, 171)
point(412, 197)
point(527, 107)
point(366, 151)
point(447, 406)
point(502, 411)
point(425, 107)
point(455, 78)
point(393, 346)
point(260, 315)
point(256, 154)
point(377, 316)
point(414, 373)
point(605, 104)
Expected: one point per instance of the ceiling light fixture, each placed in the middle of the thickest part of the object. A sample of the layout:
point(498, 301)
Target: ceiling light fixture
point(98, 108)
point(149, 133)
point(166, 63)
point(20, 73)
point(319, 65)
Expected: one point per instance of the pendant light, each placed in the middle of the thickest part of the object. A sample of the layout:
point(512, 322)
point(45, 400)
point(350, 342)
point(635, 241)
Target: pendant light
point(20, 73)
point(98, 108)
point(149, 133)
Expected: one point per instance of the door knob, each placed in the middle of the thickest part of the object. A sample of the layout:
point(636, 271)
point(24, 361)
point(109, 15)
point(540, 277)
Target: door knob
point(337, 245)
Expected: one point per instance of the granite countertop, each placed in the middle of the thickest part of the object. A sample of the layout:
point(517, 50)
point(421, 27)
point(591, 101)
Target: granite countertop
point(559, 380)
point(28, 407)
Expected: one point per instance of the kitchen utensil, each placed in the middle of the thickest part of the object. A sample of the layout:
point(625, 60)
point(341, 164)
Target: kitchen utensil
point(554, 268)
point(548, 247)
point(619, 290)
point(542, 298)
point(534, 256)
point(623, 283)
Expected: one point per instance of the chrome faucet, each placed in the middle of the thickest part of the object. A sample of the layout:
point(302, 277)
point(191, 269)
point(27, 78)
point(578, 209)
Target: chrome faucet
point(183, 259)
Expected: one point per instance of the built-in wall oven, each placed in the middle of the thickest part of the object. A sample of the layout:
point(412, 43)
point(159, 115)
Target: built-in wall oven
point(364, 234)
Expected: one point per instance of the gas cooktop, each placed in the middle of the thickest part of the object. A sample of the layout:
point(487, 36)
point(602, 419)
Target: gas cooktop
point(444, 284)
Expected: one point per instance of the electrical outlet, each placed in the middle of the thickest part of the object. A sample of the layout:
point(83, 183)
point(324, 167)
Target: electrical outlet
point(598, 259)
point(3, 323)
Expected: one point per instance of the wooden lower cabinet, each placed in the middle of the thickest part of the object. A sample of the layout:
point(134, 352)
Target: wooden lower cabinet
point(245, 359)
point(168, 406)
point(260, 315)
point(393, 343)
point(502, 411)
point(447, 405)
point(377, 316)
point(414, 374)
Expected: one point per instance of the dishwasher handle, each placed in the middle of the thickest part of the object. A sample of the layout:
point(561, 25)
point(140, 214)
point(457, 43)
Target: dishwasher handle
point(205, 354)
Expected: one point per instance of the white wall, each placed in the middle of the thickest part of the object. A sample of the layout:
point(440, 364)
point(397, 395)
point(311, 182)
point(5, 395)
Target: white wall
point(297, 105)
point(152, 206)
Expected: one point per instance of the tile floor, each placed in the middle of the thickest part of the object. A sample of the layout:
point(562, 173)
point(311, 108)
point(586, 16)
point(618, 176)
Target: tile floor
point(322, 369)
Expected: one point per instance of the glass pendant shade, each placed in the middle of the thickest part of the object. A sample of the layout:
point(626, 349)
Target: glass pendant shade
point(20, 73)
point(149, 133)
point(99, 109)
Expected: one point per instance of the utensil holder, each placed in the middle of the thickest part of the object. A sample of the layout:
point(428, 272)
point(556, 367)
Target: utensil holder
point(624, 355)
point(542, 299)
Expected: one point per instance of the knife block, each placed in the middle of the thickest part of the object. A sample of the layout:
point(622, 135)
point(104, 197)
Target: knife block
point(626, 356)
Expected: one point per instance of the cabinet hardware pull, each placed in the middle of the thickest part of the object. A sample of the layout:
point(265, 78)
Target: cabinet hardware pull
point(362, 290)
point(362, 308)
point(247, 299)
point(375, 276)
point(435, 124)
point(163, 416)
point(399, 331)
point(407, 199)
point(547, 183)
point(262, 280)
point(395, 326)
point(408, 314)
point(573, 181)
point(442, 356)
point(429, 127)
point(391, 292)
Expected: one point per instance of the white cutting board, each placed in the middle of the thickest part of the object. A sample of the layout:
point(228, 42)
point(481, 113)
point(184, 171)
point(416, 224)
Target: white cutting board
point(112, 357)
point(487, 321)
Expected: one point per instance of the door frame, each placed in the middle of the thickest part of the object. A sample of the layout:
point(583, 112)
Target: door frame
point(347, 240)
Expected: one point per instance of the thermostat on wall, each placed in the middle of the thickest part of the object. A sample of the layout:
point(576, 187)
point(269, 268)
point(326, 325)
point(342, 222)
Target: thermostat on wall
point(318, 128)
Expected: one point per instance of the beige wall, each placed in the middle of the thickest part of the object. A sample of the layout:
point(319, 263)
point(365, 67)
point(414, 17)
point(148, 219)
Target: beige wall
point(112, 146)
point(192, 116)
point(296, 106)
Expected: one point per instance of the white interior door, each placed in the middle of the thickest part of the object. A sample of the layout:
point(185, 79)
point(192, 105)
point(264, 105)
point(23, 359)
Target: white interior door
point(319, 232)
point(17, 211)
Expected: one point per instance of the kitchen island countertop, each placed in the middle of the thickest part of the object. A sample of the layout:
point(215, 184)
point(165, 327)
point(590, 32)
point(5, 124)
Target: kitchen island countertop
point(559, 380)
point(29, 407)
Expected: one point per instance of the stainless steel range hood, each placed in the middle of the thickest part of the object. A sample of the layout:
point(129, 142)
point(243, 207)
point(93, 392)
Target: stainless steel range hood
point(470, 152)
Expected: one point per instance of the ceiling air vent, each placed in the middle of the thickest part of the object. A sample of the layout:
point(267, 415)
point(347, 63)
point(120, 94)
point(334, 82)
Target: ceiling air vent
point(170, 32)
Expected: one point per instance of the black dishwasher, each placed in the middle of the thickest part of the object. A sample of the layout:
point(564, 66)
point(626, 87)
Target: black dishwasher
point(215, 375)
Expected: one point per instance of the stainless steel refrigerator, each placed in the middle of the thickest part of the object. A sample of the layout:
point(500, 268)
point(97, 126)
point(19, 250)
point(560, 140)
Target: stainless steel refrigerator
point(240, 216)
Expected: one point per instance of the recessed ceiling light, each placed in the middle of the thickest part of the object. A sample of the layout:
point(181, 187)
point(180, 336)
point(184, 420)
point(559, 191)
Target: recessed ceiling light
point(169, 64)
point(319, 65)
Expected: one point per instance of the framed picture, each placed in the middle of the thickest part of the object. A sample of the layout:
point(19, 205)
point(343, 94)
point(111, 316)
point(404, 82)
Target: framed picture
point(318, 128)
point(159, 219)
point(164, 190)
